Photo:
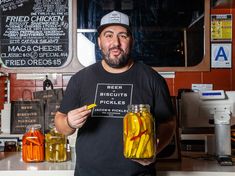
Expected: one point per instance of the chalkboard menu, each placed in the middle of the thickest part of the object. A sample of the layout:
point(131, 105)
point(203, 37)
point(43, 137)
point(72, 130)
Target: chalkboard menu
point(34, 33)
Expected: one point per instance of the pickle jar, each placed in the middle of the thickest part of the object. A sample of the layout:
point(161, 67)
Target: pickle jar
point(55, 146)
point(33, 144)
point(139, 137)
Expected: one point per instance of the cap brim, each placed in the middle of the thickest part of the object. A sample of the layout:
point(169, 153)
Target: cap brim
point(101, 28)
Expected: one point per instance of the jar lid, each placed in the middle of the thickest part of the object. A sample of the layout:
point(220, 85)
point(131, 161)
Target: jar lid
point(137, 107)
point(34, 127)
point(51, 125)
point(10, 143)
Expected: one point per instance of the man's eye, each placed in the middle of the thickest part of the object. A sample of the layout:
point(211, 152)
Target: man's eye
point(108, 36)
point(123, 36)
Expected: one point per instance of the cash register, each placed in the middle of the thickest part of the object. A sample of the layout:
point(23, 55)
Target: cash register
point(208, 113)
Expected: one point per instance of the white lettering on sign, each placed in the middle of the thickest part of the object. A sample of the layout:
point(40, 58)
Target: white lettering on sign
point(33, 62)
point(47, 48)
point(112, 100)
point(112, 94)
point(21, 48)
point(4, 1)
point(17, 18)
point(15, 62)
point(46, 18)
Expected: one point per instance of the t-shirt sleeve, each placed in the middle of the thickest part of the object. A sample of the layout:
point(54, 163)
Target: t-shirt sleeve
point(164, 109)
point(71, 96)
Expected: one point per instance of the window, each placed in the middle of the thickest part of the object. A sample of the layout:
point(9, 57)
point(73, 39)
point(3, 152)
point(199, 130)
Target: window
point(170, 35)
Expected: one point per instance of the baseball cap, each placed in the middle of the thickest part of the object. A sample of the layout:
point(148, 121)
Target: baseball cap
point(114, 18)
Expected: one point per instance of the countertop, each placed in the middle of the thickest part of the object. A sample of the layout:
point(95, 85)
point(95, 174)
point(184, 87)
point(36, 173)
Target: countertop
point(11, 164)
point(194, 166)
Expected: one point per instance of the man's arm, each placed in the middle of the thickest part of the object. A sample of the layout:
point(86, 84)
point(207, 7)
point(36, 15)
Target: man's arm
point(68, 123)
point(165, 132)
point(61, 124)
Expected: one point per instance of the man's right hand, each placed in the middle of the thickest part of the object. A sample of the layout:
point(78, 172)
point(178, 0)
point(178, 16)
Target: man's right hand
point(68, 123)
point(77, 117)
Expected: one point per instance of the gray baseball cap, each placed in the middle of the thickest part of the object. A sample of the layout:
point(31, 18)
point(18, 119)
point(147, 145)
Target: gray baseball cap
point(114, 18)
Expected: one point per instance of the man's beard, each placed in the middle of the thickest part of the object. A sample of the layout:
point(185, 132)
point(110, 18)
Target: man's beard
point(117, 62)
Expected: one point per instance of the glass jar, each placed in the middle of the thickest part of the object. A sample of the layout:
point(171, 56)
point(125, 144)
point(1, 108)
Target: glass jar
point(139, 132)
point(56, 146)
point(10, 146)
point(33, 144)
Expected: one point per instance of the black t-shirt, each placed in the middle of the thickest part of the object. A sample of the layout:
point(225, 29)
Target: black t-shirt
point(99, 144)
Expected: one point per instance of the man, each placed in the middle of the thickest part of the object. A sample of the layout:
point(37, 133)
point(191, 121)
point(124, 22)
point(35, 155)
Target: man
point(112, 84)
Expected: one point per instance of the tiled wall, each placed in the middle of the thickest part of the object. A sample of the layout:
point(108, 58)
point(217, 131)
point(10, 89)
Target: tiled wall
point(222, 79)
point(2, 91)
point(18, 87)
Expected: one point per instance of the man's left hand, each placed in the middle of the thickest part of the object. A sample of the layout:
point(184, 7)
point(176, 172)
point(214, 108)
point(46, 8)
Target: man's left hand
point(144, 162)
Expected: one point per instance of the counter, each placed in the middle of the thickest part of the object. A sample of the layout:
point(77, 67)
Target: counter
point(11, 164)
point(196, 166)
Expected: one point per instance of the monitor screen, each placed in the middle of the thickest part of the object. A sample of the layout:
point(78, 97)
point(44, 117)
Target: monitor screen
point(196, 112)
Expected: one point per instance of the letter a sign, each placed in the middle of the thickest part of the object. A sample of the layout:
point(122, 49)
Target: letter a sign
point(221, 54)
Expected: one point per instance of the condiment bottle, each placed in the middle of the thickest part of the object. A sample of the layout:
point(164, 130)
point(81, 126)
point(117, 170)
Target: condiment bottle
point(55, 146)
point(33, 144)
point(139, 132)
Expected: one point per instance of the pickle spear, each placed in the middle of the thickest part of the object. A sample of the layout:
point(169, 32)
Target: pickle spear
point(91, 106)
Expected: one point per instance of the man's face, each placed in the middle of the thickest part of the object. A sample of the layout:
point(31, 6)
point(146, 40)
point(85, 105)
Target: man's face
point(115, 43)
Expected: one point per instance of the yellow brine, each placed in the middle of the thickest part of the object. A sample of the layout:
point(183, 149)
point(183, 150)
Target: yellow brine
point(55, 146)
point(139, 132)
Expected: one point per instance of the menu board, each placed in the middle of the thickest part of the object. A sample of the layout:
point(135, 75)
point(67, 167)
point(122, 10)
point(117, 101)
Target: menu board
point(34, 33)
point(221, 27)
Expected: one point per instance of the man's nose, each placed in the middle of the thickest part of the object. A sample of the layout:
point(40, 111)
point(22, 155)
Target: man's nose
point(116, 40)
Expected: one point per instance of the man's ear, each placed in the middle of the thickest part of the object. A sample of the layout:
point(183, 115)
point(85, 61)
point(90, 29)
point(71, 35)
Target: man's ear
point(99, 43)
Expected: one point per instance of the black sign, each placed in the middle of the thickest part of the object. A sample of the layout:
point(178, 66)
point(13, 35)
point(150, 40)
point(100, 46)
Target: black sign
point(34, 33)
point(112, 100)
point(24, 113)
point(52, 99)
